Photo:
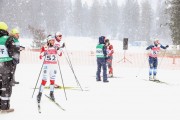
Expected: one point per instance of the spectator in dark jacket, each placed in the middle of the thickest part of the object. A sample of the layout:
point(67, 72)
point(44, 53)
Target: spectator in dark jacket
point(7, 60)
point(101, 54)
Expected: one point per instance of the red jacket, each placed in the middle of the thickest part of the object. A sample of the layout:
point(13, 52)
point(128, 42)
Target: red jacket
point(110, 50)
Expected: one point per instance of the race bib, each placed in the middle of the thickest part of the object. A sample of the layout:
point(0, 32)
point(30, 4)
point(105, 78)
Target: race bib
point(51, 57)
point(3, 51)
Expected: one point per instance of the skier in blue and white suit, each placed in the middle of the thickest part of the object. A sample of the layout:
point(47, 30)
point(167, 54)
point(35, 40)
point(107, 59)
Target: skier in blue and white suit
point(153, 58)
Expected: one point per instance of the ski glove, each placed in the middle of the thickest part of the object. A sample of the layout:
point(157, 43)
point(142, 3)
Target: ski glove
point(63, 45)
point(22, 48)
point(57, 48)
point(15, 61)
point(40, 57)
point(167, 46)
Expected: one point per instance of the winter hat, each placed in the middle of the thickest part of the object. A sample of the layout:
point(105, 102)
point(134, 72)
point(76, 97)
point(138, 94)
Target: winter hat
point(156, 41)
point(50, 37)
point(14, 31)
point(106, 40)
point(3, 26)
point(57, 34)
point(101, 40)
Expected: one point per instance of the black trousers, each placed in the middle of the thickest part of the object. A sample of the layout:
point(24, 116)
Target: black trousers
point(5, 84)
point(13, 73)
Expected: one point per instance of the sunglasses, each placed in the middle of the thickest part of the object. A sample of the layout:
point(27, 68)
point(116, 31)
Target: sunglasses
point(59, 36)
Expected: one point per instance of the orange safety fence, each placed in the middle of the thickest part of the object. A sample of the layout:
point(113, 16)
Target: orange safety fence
point(88, 58)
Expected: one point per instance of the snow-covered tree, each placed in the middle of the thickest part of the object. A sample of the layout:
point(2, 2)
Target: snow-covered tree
point(77, 17)
point(161, 19)
point(146, 21)
point(175, 20)
point(131, 21)
point(95, 16)
point(85, 20)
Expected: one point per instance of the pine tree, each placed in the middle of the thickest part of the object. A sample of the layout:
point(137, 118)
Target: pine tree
point(95, 19)
point(85, 20)
point(146, 21)
point(161, 19)
point(174, 10)
point(131, 21)
point(77, 18)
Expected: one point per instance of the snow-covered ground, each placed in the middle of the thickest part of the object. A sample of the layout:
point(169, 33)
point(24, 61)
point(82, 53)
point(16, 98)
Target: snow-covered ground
point(128, 96)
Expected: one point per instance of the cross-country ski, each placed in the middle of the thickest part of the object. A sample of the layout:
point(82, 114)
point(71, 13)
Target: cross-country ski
point(57, 104)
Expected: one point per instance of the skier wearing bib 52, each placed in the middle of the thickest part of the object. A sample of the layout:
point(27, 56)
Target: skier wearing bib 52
point(50, 52)
point(153, 60)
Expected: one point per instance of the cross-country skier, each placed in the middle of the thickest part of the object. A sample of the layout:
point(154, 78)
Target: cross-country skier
point(101, 55)
point(153, 58)
point(50, 52)
point(58, 42)
point(8, 58)
point(110, 53)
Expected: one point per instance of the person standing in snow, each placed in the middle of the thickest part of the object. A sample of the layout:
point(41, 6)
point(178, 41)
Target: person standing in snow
point(50, 52)
point(153, 58)
point(8, 58)
point(110, 52)
point(14, 34)
point(101, 55)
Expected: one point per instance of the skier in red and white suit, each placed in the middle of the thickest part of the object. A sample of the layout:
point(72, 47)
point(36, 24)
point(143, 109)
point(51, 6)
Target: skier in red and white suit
point(59, 43)
point(50, 52)
point(110, 53)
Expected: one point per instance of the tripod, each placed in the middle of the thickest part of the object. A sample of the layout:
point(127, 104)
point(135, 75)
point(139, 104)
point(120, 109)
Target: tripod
point(124, 58)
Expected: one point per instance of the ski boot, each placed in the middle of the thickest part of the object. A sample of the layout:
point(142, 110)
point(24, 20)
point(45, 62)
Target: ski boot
point(105, 81)
point(12, 83)
point(39, 97)
point(16, 82)
point(110, 75)
point(7, 111)
point(52, 95)
point(151, 78)
point(98, 79)
point(57, 86)
point(155, 78)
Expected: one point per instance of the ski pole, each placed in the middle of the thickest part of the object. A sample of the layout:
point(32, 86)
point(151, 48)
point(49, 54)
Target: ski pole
point(67, 60)
point(162, 57)
point(62, 78)
point(38, 77)
point(70, 64)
